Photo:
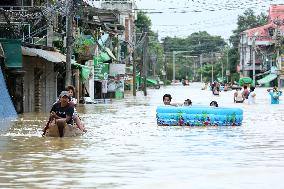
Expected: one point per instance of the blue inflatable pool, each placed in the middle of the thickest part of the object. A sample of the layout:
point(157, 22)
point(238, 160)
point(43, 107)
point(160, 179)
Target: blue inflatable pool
point(198, 116)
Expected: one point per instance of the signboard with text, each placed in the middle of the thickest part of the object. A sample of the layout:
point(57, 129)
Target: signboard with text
point(101, 71)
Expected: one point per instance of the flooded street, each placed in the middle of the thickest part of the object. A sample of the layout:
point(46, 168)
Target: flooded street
point(124, 148)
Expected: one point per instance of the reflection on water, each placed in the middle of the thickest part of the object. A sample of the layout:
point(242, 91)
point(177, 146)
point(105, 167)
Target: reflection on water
point(124, 148)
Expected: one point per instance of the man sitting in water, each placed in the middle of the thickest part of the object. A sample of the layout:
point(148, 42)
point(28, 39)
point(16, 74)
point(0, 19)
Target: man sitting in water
point(238, 96)
point(61, 112)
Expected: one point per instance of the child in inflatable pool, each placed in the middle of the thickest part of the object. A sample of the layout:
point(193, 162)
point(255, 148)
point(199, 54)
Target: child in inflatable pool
point(274, 94)
point(213, 103)
point(167, 98)
point(187, 102)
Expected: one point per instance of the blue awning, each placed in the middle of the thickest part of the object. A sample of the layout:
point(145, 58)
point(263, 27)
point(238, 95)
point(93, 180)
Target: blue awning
point(267, 79)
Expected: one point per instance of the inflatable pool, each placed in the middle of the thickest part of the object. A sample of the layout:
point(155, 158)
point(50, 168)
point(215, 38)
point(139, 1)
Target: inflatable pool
point(198, 116)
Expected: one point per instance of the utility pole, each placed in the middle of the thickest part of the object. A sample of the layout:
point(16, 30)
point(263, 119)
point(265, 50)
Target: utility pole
point(134, 72)
point(174, 62)
point(201, 79)
point(227, 69)
point(174, 66)
point(253, 60)
point(222, 71)
point(145, 54)
point(278, 56)
point(212, 68)
point(69, 39)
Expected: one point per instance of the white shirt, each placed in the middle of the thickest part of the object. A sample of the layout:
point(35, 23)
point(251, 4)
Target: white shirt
point(251, 98)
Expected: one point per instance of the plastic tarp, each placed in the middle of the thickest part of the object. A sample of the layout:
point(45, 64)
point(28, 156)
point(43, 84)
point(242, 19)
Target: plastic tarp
point(12, 51)
point(152, 82)
point(245, 80)
point(103, 39)
point(110, 53)
point(267, 79)
point(84, 70)
point(103, 57)
point(7, 109)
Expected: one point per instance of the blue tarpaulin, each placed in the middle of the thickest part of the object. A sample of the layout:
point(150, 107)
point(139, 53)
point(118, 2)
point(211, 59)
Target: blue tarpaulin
point(7, 109)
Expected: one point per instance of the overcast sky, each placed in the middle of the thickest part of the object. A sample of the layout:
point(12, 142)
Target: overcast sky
point(182, 17)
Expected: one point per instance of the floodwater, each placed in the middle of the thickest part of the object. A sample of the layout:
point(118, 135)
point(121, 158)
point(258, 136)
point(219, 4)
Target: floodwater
point(124, 148)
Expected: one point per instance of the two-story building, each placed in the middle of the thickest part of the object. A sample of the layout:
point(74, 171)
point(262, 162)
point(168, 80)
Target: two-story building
point(259, 49)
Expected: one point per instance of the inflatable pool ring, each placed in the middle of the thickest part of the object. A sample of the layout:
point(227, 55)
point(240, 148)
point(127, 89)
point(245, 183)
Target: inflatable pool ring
point(198, 116)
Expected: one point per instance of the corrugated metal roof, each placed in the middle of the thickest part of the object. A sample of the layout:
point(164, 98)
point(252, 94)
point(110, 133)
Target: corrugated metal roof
point(52, 56)
point(276, 12)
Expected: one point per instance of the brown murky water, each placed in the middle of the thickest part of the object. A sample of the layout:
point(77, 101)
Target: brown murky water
point(124, 148)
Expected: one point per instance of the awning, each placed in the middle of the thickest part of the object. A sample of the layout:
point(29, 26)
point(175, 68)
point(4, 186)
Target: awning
point(267, 79)
point(52, 56)
point(12, 53)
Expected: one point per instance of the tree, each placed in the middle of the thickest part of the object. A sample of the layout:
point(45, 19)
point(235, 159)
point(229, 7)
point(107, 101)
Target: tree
point(196, 44)
point(143, 22)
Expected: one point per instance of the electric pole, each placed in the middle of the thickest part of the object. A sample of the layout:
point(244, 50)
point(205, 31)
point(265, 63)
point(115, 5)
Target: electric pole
point(145, 54)
point(134, 72)
point(69, 39)
point(201, 79)
point(253, 60)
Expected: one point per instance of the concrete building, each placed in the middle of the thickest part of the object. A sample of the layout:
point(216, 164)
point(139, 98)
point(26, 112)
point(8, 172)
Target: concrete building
point(259, 49)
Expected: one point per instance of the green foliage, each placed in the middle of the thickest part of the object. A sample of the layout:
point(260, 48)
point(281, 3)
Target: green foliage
point(196, 44)
point(58, 44)
point(143, 22)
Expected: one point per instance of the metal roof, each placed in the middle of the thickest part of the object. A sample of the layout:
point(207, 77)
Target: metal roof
point(51, 56)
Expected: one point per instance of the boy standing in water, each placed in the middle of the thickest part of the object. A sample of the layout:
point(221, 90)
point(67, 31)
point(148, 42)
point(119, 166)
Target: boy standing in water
point(251, 97)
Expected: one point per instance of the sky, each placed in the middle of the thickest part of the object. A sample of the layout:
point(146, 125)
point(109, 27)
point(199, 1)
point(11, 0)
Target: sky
point(180, 18)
